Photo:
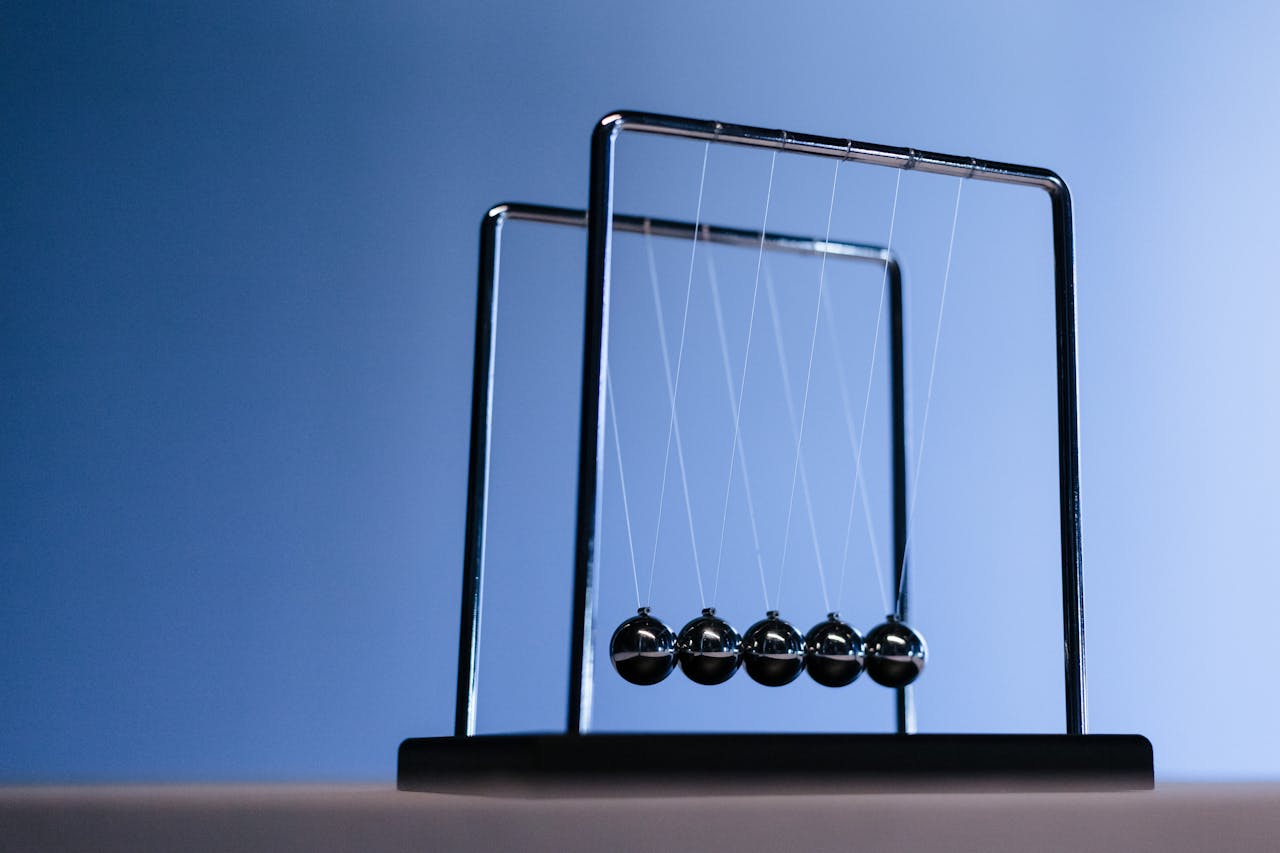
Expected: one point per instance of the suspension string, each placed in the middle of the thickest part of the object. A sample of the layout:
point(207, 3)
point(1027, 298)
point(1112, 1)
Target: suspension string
point(622, 481)
point(855, 445)
point(859, 484)
point(804, 410)
point(928, 398)
point(672, 388)
point(742, 385)
point(673, 427)
point(735, 408)
point(789, 398)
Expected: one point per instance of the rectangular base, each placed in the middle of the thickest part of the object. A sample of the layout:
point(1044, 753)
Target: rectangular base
point(797, 762)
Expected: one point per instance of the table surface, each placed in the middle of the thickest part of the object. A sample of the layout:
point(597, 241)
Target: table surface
point(318, 818)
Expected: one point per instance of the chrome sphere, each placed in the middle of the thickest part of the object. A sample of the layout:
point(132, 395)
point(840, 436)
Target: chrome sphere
point(643, 650)
point(708, 649)
point(895, 653)
point(833, 652)
point(773, 651)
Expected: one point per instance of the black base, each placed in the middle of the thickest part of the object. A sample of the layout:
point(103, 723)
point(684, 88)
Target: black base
point(798, 762)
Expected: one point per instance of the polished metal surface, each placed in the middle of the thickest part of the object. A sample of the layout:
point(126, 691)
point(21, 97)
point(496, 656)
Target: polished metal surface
point(464, 717)
point(599, 243)
point(643, 649)
point(895, 654)
point(773, 651)
point(892, 156)
point(708, 649)
point(833, 652)
point(722, 235)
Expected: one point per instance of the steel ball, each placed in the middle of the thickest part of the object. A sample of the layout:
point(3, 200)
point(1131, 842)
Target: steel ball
point(773, 651)
point(833, 652)
point(895, 653)
point(643, 649)
point(708, 649)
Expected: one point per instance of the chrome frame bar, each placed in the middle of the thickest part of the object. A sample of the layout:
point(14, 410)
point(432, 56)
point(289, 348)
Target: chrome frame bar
point(482, 403)
point(591, 437)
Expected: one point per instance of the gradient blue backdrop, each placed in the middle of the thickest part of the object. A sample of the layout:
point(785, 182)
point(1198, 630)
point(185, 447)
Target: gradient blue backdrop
point(236, 273)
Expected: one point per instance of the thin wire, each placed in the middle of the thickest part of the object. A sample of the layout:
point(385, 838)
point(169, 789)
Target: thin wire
point(622, 480)
point(735, 407)
point(742, 386)
point(928, 398)
point(789, 398)
point(673, 427)
point(804, 407)
point(855, 445)
point(866, 405)
point(672, 390)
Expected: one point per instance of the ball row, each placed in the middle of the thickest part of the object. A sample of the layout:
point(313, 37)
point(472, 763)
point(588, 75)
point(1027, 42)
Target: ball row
point(709, 651)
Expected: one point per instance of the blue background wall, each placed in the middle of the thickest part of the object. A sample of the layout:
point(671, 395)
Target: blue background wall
point(237, 300)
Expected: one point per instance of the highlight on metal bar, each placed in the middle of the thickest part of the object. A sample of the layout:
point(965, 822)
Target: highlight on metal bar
point(893, 156)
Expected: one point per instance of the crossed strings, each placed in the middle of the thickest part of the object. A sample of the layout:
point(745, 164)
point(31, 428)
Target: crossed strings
point(673, 393)
point(734, 399)
point(735, 407)
point(842, 382)
point(859, 482)
point(789, 397)
point(673, 426)
point(804, 410)
point(622, 482)
point(673, 384)
point(738, 452)
point(928, 398)
point(860, 486)
point(784, 368)
point(742, 387)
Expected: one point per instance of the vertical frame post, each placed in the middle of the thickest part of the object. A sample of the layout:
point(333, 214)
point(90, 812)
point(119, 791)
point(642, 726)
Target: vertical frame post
point(464, 717)
point(1064, 271)
point(591, 432)
point(904, 703)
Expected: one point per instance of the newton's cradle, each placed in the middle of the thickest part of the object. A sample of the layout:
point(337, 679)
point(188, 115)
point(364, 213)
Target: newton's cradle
point(708, 650)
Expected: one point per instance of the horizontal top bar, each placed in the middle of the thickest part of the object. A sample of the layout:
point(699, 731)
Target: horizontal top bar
point(707, 233)
point(829, 146)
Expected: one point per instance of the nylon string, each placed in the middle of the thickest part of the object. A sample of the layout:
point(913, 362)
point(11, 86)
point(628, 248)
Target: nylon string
point(622, 482)
point(855, 436)
point(742, 385)
point(859, 483)
point(673, 391)
point(788, 396)
point(734, 407)
point(804, 409)
point(928, 398)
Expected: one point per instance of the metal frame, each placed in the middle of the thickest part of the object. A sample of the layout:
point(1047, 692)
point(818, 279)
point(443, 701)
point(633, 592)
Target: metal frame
point(599, 237)
point(482, 405)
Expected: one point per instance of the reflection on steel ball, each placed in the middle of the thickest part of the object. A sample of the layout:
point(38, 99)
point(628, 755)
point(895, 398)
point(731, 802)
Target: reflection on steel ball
point(708, 649)
point(773, 651)
point(643, 650)
point(895, 653)
point(833, 652)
